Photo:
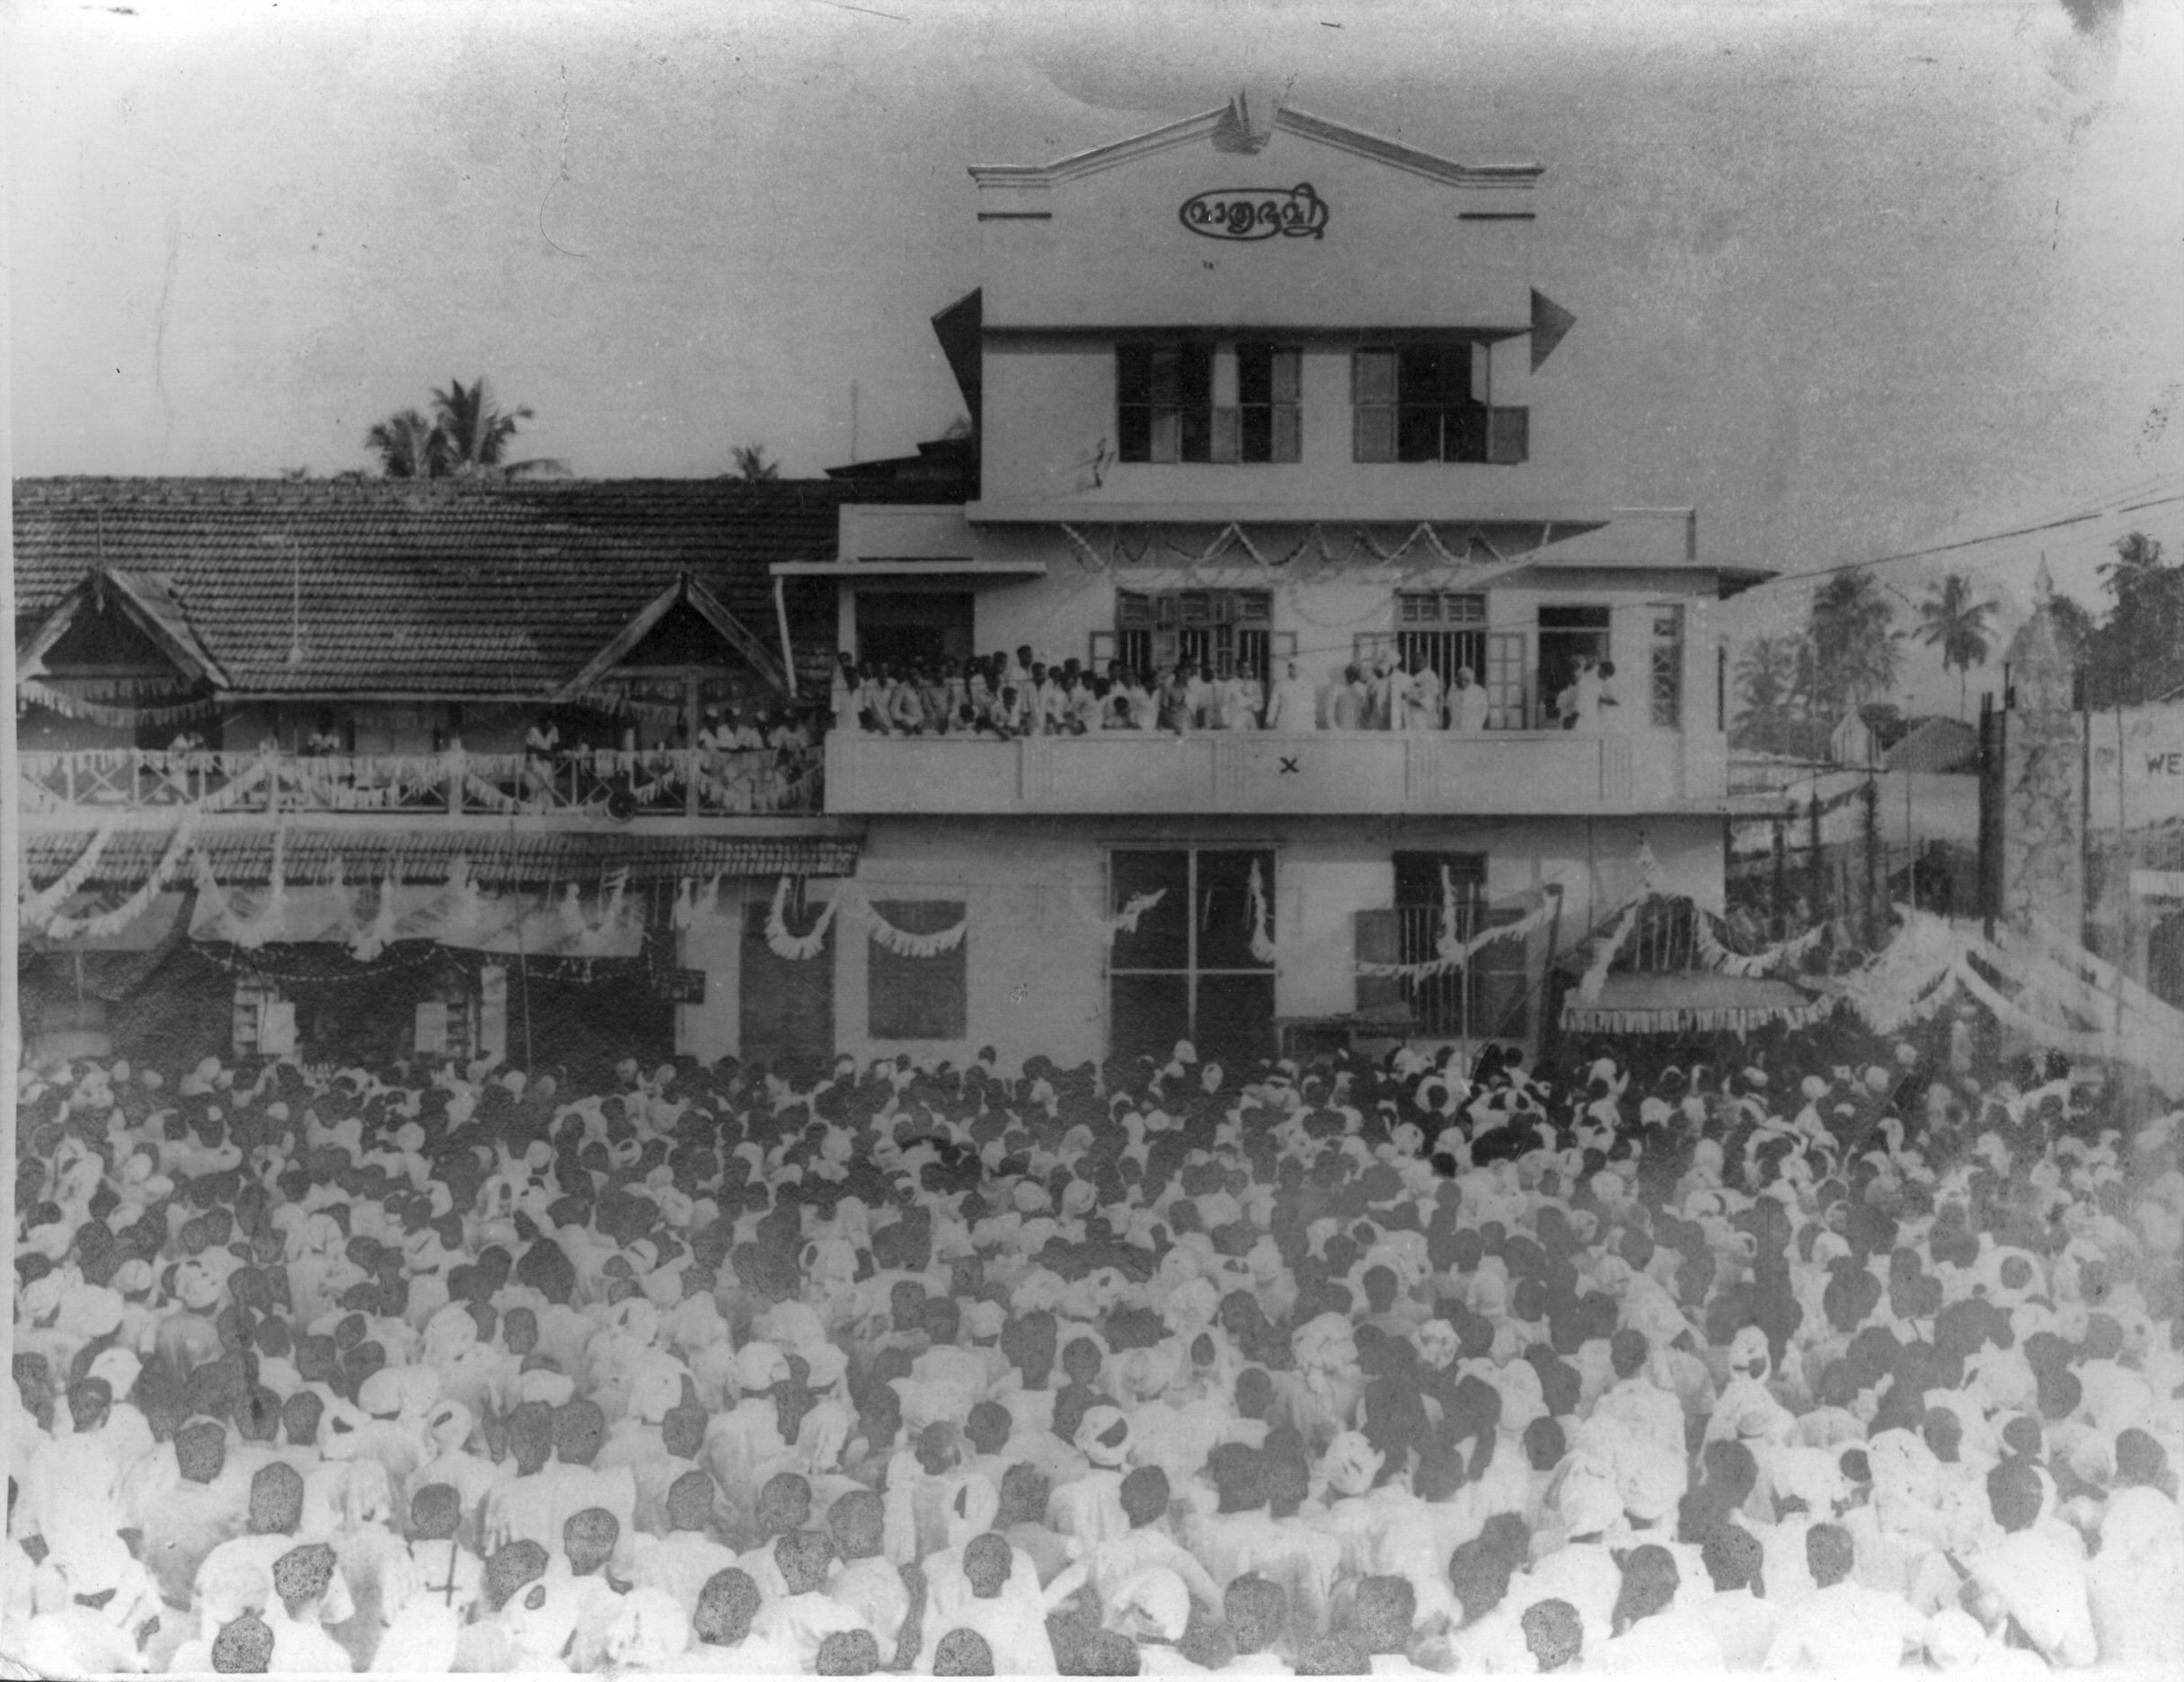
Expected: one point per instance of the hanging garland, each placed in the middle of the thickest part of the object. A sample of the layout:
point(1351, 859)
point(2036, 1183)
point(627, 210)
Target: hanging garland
point(1459, 956)
point(109, 923)
point(42, 904)
point(1786, 955)
point(798, 947)
point(1263, 947)
point(849, 899)
point(112, 717)
point(1596, 972)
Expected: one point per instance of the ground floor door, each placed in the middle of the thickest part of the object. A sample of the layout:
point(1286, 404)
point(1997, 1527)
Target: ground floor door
point(786, 1005)
point(1199, 965)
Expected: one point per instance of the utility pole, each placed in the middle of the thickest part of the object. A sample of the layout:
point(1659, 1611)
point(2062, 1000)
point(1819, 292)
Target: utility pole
point(853, 421)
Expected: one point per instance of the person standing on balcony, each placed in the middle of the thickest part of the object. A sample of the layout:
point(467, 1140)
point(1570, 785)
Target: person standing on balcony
point(186, 741)
point(1389, 694)
point(1088, 711)
point(1199, 695)
point(1143, 696)
point(1175, 700)
point(1293, 706)
point(1466, 705)
point(933, 697)
point(1350, 707)
point(1422, 694)
point(1241, 701)
point(324, 739)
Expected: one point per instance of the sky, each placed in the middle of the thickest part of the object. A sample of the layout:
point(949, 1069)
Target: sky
point(1854, 277)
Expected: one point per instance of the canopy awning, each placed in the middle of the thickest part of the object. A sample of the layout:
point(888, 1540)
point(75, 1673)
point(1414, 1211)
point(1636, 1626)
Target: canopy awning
point(1690, 1001)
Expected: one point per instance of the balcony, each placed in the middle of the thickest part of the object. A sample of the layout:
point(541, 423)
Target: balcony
point(611, 784)
point(1304, 774)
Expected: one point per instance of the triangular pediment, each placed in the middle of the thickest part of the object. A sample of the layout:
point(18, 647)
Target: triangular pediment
point(1237, 127)
point(684, 625)
point(116, 622)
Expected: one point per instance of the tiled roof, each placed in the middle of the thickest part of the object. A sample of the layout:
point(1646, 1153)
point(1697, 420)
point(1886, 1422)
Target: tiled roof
point(441, 588)
point(416, 857)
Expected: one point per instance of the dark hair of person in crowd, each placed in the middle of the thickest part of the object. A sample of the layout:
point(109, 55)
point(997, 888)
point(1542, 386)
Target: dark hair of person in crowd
point(1554, 1635)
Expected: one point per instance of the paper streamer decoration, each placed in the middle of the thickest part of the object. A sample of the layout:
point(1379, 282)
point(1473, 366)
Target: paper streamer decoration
point(1125, 921)
point(1783, 956)
point(849, 901)
point(112, 717)
point(800, 947)
point(41, 905)
point(1465, 951)
point(1596, 972)
point(113, 920)
point(1263, 947)
point(373, 938)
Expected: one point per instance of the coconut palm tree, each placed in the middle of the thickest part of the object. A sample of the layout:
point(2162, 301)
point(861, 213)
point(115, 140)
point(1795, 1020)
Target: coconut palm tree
point(1855, 646)
point(1766, 684)
point(409, 447)
point(1952, 622)
point(752, 465)
point(466, 436)
point(478, 434)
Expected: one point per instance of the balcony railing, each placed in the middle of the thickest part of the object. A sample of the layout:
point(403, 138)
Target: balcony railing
point(656, 782)
point(1334, 773)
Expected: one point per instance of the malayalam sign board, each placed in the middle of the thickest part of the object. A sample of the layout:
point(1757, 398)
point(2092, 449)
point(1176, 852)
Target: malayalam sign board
point(1255, 213)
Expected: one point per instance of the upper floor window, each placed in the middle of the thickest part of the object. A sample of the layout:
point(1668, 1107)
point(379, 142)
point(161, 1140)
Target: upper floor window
point(1184, 401)
point(1428, 401)
point(1665, 676)
point(1222, 633)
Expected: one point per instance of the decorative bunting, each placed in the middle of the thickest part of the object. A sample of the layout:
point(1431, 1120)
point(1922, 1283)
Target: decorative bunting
point(67, 705)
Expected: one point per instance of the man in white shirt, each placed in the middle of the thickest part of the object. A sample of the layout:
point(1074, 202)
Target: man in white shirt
point(1294, 705)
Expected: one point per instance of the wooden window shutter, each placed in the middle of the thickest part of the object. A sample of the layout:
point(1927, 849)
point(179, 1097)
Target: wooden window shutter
point(1377, 944)
point(1508, 435)
point(1286, 367)
point(1228, 433)
point(1288, 433)
point(1373, 405)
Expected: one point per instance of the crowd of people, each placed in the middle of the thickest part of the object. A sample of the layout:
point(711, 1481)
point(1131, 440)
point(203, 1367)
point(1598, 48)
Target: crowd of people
point(1815, 1361)
point(1003, 695)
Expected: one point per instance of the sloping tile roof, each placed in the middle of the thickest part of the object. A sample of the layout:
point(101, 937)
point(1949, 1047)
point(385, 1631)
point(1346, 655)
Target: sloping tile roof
point(443, 588)
point(419, 856)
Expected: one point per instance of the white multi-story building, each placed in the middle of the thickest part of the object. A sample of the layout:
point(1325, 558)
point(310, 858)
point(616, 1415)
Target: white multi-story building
point(1250, 394)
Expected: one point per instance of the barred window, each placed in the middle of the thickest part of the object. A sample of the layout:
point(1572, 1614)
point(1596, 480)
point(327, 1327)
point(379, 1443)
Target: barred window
point(1666, 674)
